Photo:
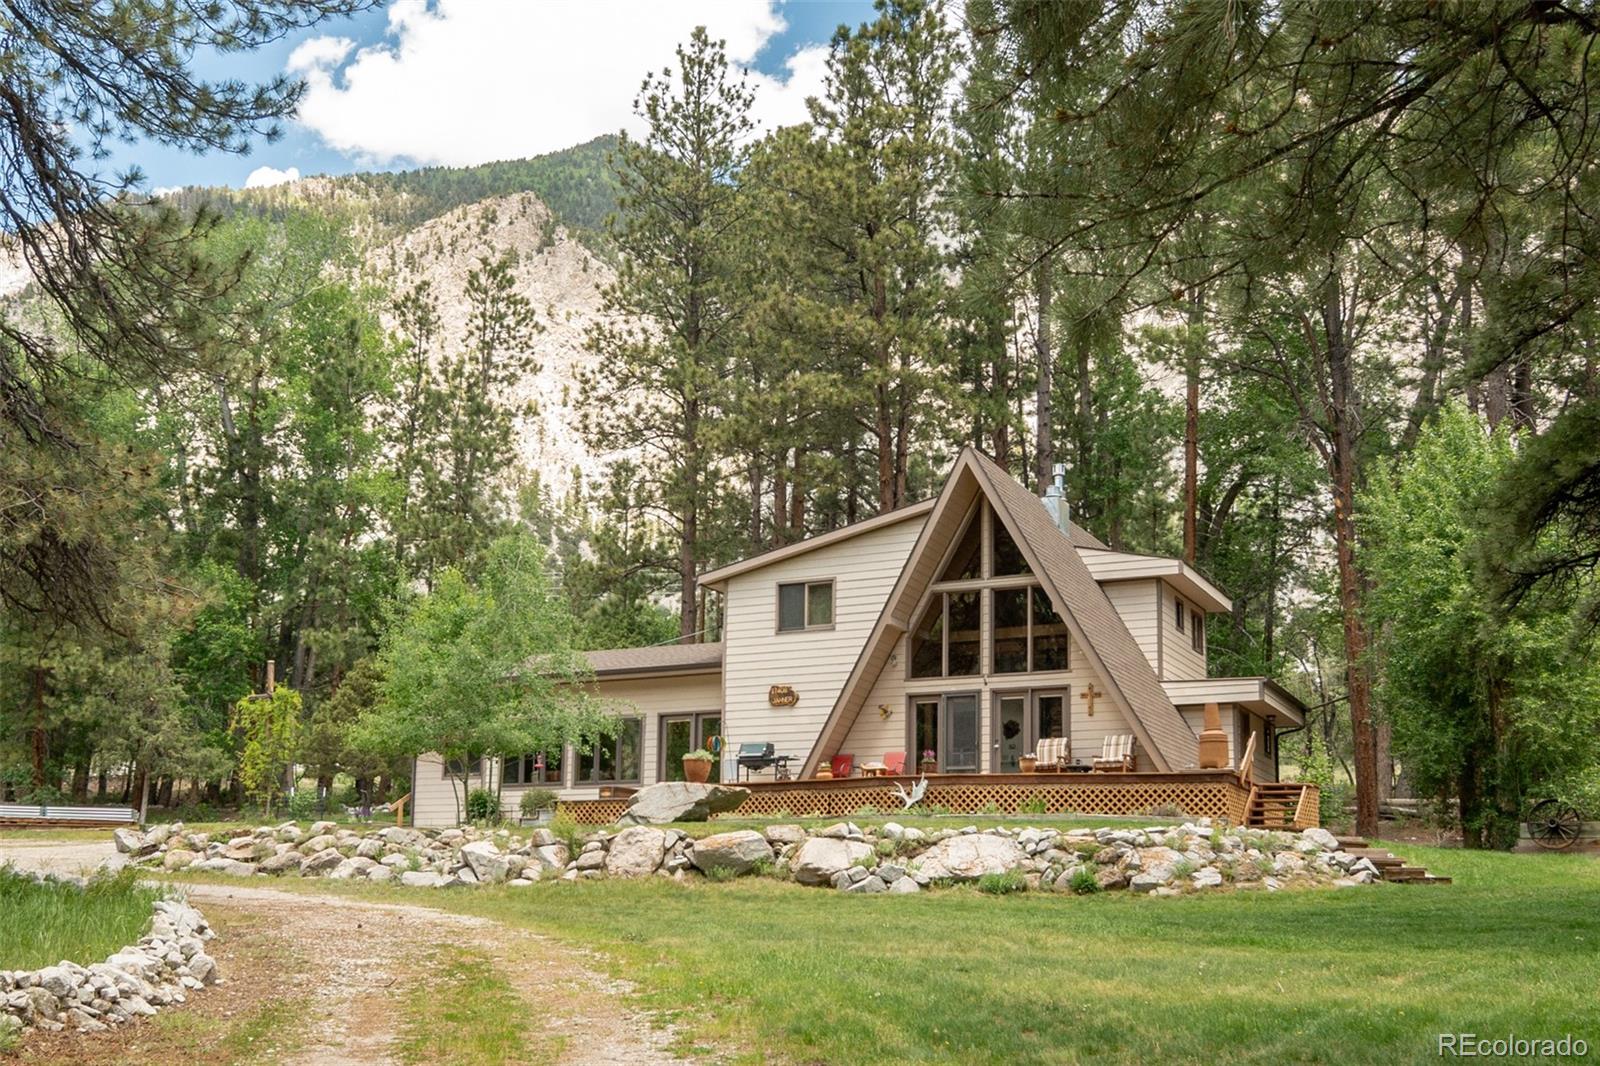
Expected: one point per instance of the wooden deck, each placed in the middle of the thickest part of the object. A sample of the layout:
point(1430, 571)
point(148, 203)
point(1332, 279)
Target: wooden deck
point(1195, 794)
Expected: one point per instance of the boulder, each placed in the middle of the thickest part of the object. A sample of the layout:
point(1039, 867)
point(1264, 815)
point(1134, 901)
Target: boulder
point(370, 848)
point(321, 862)
point(380, 873)
point(422, 879)
point(737, 853)
point(903, 886)
point(1209, 877)
point(232, 867)
point(820, 858)
point(352, 867)
point(550, 857)
point(317, 842)
point(636, 852)
point(486, 860)
point(681, 801)
point(969, 857)
point(786, 834)
point(287, 862)
point(1321, 837)
point(128, 841)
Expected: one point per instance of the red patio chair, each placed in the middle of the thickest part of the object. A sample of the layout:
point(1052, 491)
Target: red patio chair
point(895, 761)
point(843, 765)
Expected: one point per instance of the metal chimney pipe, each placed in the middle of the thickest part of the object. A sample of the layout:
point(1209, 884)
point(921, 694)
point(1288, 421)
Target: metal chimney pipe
point(1055, 500)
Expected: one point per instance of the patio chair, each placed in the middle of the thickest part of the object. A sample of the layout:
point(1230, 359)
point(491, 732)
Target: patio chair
point(1116, 755)
point(893, 763)
point(1052, 753)
point(842, 765)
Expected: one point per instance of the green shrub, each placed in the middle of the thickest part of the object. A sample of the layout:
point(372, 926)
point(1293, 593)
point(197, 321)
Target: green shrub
point(46, 922)
point(699, 755)
point(535, 800)
point(1082, 881)
point(1036, 805)
point(1003, 884)
point(303, 804)
point(564, 827)
point(483, 806)
point(721, 873)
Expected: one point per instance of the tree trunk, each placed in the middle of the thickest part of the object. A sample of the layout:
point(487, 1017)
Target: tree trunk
point(1342, 414)
point(1193, 340)
point(40, 739)
point(797, 498)
point(1044, 456)
point(80, 780)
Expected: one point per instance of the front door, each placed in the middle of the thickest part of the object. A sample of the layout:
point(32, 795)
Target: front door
point(1051, 715)
point(1011, 732)
point(683, 733)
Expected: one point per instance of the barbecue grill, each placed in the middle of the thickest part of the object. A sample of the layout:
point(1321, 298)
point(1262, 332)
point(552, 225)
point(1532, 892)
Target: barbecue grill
point(757, 756)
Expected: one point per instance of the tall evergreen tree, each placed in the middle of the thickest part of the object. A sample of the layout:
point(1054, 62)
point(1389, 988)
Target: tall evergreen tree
point(673, 313)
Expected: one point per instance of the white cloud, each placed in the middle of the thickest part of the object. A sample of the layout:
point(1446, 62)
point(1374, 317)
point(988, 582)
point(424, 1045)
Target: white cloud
point(468, 81)
point(261, 177)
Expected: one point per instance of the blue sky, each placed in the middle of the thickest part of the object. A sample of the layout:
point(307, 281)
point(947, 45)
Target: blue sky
point(456, 82)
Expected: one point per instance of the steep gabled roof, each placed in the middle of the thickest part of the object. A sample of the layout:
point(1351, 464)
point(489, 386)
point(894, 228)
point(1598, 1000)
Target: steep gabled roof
point(821, 540)
point(1094, 624)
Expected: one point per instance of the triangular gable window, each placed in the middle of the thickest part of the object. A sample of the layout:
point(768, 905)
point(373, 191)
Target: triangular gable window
point(967, 562)
point(1008, 560)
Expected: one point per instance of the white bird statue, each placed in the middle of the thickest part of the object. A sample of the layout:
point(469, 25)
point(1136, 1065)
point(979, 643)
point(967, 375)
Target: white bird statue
point(912, 798)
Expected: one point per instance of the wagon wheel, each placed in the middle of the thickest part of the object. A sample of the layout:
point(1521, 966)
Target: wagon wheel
point(1554, 825)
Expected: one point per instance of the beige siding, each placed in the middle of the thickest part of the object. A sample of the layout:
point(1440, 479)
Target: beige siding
point(1232, 715)
point(433, 797)
point(1136, 604)
point(815, 664)
point(1179, 660)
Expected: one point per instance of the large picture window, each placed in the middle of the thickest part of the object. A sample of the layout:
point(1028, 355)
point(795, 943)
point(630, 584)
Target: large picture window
point(1028, 634)
point(615, 759)
point(539, 768)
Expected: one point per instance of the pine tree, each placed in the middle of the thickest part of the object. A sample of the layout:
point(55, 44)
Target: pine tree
point(673, 313)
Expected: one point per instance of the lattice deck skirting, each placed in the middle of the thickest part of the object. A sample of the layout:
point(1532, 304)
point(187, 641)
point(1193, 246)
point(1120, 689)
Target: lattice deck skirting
point(1192, 795)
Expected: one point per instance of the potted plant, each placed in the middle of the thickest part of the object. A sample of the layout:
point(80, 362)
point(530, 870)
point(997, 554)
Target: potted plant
point(697, 766)
point(1027, 763)
point(537, 806)
point(930, 761)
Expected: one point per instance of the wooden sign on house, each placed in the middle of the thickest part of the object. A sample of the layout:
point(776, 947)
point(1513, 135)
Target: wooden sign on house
point(782, 696)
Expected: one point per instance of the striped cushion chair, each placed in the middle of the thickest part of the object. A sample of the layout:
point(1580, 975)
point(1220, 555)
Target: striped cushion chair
point(1053, 753)
point(1116, 755)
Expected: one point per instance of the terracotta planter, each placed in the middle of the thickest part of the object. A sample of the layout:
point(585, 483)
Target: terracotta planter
point(697, 771)
point(1027, 764)
point(930, 767)
point(823, 774)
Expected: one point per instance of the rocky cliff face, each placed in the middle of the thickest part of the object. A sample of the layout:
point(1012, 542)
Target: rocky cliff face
point(561, 279)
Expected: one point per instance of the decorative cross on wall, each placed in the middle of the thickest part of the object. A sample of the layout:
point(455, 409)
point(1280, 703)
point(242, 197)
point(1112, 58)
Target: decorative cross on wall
point(1088, 697)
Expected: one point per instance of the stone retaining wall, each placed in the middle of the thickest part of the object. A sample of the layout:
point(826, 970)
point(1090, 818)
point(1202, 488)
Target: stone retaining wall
point(1163, 859)
point(166, 964)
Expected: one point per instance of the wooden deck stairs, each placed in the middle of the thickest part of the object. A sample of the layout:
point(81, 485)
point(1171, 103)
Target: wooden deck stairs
point(1391, 867)
point(1276, 805)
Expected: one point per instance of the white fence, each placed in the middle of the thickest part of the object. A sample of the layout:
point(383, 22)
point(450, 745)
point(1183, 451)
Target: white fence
point(19, 812)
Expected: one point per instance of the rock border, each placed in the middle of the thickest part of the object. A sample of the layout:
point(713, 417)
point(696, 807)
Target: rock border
point(1162, 860)
point(159, 971)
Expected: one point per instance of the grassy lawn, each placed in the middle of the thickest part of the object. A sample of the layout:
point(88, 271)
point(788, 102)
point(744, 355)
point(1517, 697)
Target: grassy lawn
point(41, 924)
point(780, 973)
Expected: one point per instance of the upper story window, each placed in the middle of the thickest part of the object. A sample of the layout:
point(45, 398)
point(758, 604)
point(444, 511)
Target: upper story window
point(805, 605)
point(1197, 632)
point(1028, 634)
point(469, 767)
point(1007, 558)
point(1177, 613)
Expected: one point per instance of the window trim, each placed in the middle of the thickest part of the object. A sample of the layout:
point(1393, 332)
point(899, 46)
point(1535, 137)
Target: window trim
point(1197, 632)
point(1178, 612)
point(805, 599)
point(590, 759)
